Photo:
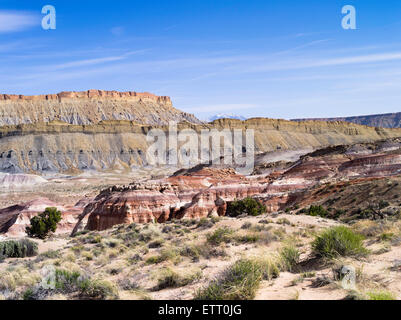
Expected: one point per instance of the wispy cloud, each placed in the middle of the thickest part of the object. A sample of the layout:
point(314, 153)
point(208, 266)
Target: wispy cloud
point(90, 62)
point(14, 21)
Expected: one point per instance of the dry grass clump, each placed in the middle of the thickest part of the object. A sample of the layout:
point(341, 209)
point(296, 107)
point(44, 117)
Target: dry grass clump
point(173, 279)
point(241, 280)
point(339, 241)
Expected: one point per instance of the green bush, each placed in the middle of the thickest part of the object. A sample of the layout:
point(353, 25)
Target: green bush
point(316, 211)
point(248, 206)
point(18, 248)
point(44, 223)
point(338, 241)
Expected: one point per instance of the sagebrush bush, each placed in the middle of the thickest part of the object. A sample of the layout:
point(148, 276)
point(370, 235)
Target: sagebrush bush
point(72, 282)
point(18, 248)
point(220, 235)
point(248, 206)
point(338, 241)
point(98, 290)
point(44, 223)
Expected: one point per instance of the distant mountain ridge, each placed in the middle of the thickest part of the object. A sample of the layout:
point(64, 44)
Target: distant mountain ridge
point(386, 120)
point(226, 116)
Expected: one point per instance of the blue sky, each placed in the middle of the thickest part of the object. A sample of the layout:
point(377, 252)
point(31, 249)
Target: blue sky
point(272, 58)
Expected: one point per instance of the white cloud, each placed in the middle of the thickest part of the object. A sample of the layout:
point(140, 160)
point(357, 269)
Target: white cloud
point(13, 21)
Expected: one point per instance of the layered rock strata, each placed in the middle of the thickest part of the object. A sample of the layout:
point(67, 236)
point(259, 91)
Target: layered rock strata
point(206, 192)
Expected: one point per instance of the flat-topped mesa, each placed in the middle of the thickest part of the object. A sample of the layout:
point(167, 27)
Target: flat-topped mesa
point(89, 94)
point(90, 107)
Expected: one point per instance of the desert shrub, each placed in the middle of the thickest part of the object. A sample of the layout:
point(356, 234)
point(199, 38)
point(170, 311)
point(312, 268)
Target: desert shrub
point(381, 295)
point(128, 284)
point(338, 241)
point(50, 254)
point(193, 251)
point(171, 279)
point(196, 251)
point(63, 281)
point(219, 236)
point(156, 243)
point(44, 223)
point(165, 254)
point(284, 221)
point(289, 255)
point(248, 206)
point(247, 238)
point(98, 290)
point(316, 211)
point(246, 225)
point(238, 282)
point(67, 281)
point(151, 232)
point(205, 223)
point(270, 267)
point(369, 228)
point(18, 248)
point(387, 236)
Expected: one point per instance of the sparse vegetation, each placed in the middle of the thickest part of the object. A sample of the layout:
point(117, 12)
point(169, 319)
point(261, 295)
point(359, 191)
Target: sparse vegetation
point(338, 241)
point(315, 211)
point(381, 295)
point(171, 279)
point(18, 248)
point(289, 255)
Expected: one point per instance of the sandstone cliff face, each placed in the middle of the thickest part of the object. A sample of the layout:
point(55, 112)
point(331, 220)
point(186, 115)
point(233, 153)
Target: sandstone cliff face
point(90, 107)
point(59, 147)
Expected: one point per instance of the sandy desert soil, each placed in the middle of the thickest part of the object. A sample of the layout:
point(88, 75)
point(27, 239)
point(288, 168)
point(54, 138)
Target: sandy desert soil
point(177, 259)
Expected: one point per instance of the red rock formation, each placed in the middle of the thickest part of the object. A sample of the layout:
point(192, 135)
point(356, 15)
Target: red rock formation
point(14, 219)
point(206, 191)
